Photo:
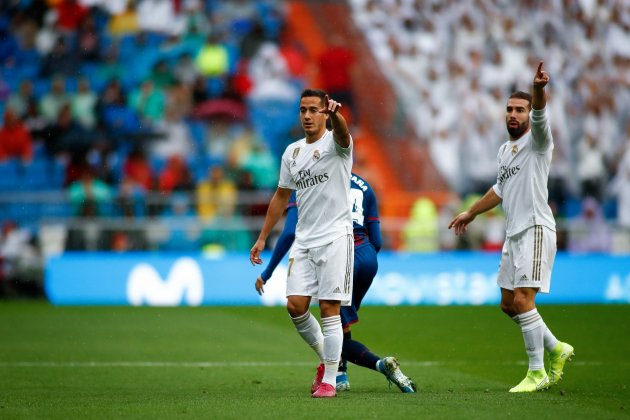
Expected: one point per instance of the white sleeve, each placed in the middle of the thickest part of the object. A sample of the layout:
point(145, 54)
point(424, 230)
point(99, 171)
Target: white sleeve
point(541, 131)
point(344, 151)
point(286, 180)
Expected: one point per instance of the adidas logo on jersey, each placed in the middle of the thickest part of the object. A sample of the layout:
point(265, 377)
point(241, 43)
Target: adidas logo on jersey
point(524, 277)
point(336, 290)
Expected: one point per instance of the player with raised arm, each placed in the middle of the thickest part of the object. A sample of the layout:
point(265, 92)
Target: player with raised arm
point(530, 246)
point(318, 168)
point(367, 243)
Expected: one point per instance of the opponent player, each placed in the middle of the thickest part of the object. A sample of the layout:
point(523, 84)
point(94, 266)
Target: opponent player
point(367, 243)
point(318, 168)
point(530, 246)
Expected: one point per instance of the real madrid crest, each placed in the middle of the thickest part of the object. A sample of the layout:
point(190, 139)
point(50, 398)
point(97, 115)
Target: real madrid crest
point(514, 150)
point(316, 155)
point(296, 152)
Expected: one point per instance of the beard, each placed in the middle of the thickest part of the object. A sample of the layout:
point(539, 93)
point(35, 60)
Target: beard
point(517, 132)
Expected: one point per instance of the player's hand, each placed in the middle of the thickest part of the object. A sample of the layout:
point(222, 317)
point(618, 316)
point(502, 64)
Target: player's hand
point(259, 285)
point(541, 78)
point(330, 106)
point(254, 254)
point(460, 222)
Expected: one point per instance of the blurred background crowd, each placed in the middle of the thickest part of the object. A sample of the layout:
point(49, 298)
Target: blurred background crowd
point(133, 125)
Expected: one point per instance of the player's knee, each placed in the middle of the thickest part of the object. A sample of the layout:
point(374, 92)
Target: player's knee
point(295, 309)
point(508, 308)
point(523, 303)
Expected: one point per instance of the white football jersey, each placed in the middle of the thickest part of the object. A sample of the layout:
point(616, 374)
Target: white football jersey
point(319, 172)
point(522, 177)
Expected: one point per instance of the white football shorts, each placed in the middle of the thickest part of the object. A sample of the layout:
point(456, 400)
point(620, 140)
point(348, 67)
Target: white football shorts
point(323, 272)
point(527, 259)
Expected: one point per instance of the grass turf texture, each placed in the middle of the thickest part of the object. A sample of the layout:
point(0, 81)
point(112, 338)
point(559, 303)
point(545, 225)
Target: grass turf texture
point(220, 362)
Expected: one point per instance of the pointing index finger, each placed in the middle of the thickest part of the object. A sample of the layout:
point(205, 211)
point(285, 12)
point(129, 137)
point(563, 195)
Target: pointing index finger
point(539, 71)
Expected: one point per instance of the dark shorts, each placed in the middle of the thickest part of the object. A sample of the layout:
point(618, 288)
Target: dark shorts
point(365, 268)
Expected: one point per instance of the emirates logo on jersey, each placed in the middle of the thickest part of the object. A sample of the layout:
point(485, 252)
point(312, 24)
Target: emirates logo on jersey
point(296, 152)
point(514, 150)
point(316, 155)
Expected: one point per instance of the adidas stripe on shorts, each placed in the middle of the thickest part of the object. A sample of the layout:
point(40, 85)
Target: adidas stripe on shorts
point(323, 272)
point(527, 259)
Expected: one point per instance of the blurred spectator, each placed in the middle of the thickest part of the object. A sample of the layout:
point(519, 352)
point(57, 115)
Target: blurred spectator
point(18, 101)
point(589, 231)
point(213, 59)
point(51, 103)
point(176, 176)
point(70, 13)
point(137, 169)
point(591, 168)
point(220, 135)
point(420, 233)
point(15, 139)
point(252, 40)
point(161, 75)
point(60, 61)
point(9, 47)
point(18, 255)
point(174, 137)
point(185, 70)
point(90, 191)
point(262, 164)
point(215, 193)
point(149, 101)
point(126, 22)
point(35, 123)
point(83, 104)
point(112, 95)
point(65, 134)
point(88, 40)
point(156, 16)
point(110, 68)
point(130, 198)
point(193, 22)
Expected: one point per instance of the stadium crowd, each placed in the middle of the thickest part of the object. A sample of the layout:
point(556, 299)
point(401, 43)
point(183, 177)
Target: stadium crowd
point(453, 63)
point(173, 114)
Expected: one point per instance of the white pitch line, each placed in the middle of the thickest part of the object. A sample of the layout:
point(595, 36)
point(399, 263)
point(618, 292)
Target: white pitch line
point(141, 364)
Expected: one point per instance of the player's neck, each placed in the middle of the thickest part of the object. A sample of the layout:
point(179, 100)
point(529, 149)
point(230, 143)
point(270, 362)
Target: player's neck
point(314, 137)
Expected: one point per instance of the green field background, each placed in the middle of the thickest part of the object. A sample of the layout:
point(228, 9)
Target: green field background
point(248, 362)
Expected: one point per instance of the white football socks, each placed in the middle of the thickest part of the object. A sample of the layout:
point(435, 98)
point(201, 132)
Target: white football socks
point(333, 340)
point(533, 327)
point(310, 331)
point(549, 340)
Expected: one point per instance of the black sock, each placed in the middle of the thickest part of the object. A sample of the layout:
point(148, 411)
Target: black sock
point(355, 352)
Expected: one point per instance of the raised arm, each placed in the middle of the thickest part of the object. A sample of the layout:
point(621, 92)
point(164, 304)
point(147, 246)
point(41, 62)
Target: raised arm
point(489, 201)
point(274, 212)
point(341, 133)
point(539, 96)
point(541, 131)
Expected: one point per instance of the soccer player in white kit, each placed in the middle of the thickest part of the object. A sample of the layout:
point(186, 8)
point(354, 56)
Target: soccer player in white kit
point(321, 261)
point(530, 246)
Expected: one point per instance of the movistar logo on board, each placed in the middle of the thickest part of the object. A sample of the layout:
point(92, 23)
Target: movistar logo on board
point(182, 285)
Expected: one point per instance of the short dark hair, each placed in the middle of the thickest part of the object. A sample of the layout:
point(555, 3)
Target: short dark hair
point(522, 95)
point(314, 92)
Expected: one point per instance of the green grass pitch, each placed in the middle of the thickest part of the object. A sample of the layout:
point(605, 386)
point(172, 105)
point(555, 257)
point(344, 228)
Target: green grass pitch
point(248, 362)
